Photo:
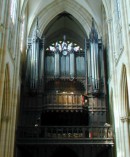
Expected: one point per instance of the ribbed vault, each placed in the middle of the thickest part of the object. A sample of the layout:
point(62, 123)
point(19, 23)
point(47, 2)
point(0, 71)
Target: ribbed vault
point(83, 11)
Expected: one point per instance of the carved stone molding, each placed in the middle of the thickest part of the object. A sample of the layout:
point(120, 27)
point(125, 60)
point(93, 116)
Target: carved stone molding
point(1, 27)
point(109, 19)
point(125, 119)
point(5, 118)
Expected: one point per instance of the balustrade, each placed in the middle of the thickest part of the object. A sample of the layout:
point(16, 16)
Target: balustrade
point(65, 132)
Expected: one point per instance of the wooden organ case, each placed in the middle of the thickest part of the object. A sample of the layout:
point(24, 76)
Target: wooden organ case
point(65, 89)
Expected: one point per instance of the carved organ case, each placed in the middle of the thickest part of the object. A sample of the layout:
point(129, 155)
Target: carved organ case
point(71, 81)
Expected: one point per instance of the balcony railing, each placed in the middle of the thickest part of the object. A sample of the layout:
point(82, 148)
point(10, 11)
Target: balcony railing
point(66, 133)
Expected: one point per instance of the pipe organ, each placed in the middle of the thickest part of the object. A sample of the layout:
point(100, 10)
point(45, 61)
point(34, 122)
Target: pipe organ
point(57, 62)
point(95, 61)
point(72, 64)
point(35, 60)
point(65, 59)
point(66, 101)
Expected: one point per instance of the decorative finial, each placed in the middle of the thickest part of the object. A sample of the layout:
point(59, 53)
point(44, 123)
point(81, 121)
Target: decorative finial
point(64, 37)
point(37, 22)
point(93, 34)
point(93, 22)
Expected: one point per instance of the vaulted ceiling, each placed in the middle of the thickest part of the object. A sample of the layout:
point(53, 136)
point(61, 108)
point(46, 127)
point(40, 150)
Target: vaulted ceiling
point(58, 17)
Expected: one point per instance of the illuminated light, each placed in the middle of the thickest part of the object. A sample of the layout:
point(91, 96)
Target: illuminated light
point(52, 48)
point(36, 125)
point(77, 48)
point(64, 92)
point(64, 45)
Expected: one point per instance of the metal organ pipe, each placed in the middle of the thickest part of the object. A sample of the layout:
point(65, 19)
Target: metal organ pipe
point(94, 59)
point(72, 64)
point(41, 66)
point(57, 63)
point(28, 64)
point(86, 66)
point(34, 63)
point(94, 65)
point(35, 59)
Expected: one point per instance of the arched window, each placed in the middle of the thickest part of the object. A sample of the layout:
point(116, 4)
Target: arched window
point(13, 10)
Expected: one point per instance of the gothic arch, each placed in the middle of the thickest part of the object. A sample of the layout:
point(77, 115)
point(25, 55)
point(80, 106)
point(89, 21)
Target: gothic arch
point(5, 111)
point(6, 93)
point(124, 92)
point(107, 6)
point(52, 10)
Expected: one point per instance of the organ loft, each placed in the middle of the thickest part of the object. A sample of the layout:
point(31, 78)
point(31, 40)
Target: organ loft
point(64, 101)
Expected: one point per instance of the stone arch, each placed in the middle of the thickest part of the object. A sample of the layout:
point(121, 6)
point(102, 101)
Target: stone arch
point(5, 112)
point(124, 93)
point(124, 111)
point(52, 10)
point(107, 6)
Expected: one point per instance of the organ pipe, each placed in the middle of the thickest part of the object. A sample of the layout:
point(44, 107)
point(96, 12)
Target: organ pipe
point(86, 66)
point(28, 64)
point(93, 56)
point(35, 60)
point(41, 66)
point(72, 64)
point(57, 62)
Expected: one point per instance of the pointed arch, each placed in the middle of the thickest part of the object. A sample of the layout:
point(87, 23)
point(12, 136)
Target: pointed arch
point(5, 112)
point(48, 13)
point(124, 92)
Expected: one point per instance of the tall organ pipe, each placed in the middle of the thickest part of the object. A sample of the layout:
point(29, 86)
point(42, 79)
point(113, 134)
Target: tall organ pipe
point(86, 66)
point(72, 65)
point(57, 64)
point(28, 64)
point(41, 66)
point(94, 58)
point(34, 64)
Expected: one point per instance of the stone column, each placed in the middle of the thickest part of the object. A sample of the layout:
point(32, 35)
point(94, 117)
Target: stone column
point(111, 40)
point(125, 121)
point(121, 138)
point(3, 136)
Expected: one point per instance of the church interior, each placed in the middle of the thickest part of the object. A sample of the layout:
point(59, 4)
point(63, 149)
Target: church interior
point(64, 78)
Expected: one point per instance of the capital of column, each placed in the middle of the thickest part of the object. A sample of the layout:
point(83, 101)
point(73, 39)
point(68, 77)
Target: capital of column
point(1, 27)
point(109, 19)
point(5, 118)
point(125, 119)
point(20, 19)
